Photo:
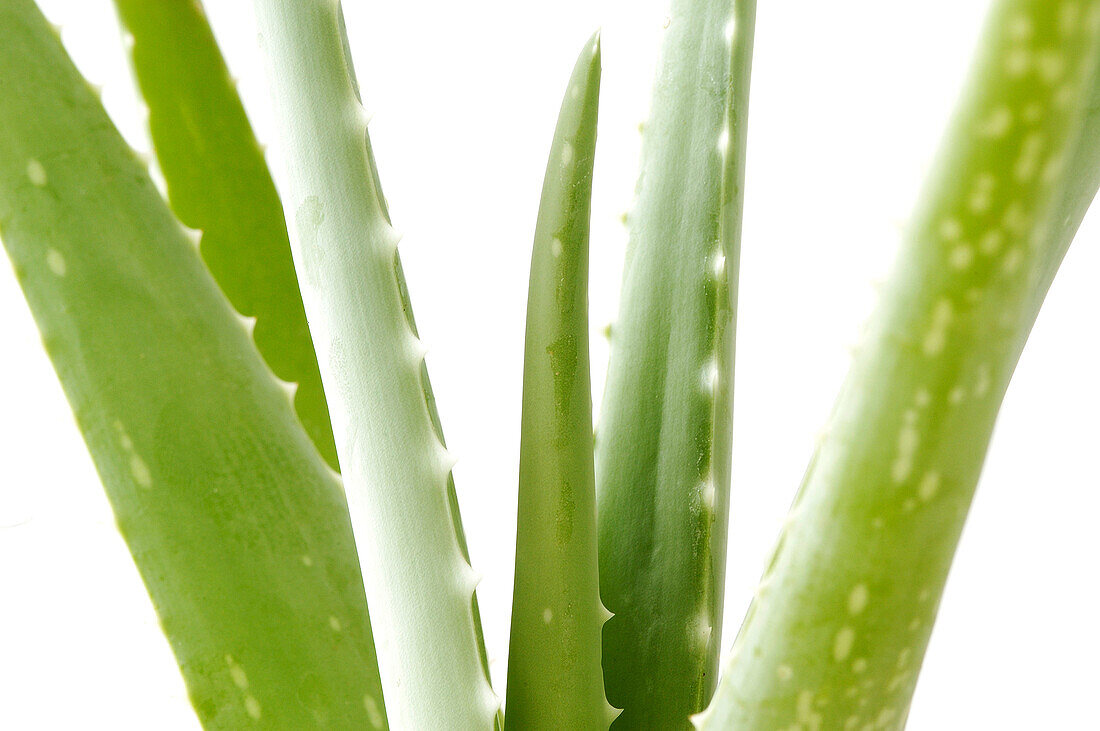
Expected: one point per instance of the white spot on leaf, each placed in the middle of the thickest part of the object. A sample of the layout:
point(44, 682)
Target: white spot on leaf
point(908, 439)
point(936, 337)
point(842, 643)
point(997, 123)
point(56, 262)
point(374, 713)
point(857, 599)
point(36, 173)
point(991, 242)
point(929, 486)
point(239, 678)
point(1051, 65)
point(981, 197)
point(1016, 219)
point(566, 153)
point(140, 471)
point(1027, 163)
point(1017, 61)
point(1019, 27)
point(961, 257)
point(950, 229)
point(982, 386)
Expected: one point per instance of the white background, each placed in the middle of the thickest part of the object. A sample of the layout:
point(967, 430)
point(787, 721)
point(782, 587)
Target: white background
point(848, 102)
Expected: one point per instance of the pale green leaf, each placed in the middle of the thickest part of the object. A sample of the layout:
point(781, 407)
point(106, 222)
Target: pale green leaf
point(842, 617)
point(396, 469)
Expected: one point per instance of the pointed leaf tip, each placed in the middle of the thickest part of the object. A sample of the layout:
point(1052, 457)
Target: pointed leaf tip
point(554, 674)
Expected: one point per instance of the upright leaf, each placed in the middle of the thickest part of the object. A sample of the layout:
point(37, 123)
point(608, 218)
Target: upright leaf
point(843, 614)
point(237, 526)
point(554, 675)
point(663, 452)
point(397, 472)
point(218, 183)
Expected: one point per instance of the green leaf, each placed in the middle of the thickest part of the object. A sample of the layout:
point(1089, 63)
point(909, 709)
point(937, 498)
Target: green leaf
point(663, 452)
point(218, 183)
point(842, 618)
point(554, 676)
point(237, 526)
point(1082, 179)
point(418, 579)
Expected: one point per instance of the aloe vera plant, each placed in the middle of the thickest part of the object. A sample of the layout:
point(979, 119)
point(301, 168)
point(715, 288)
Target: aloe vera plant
point(216, 416)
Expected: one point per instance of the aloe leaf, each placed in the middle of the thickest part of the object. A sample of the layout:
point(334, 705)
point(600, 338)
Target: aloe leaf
point(218, 183)
point(843, 615)
point(1082, 179)
point(418, 580)
point(663, 452)
point(238, 528)
point(554, 676)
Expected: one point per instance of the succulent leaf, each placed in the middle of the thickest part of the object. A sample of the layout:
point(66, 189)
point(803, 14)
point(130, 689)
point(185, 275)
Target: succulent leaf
point(841, 620)
point(237, 526)
point(554, 676)
point(663, 454)
point(396, 470)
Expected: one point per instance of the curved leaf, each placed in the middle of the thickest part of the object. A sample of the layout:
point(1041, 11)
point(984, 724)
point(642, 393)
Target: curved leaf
point(842, 618)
